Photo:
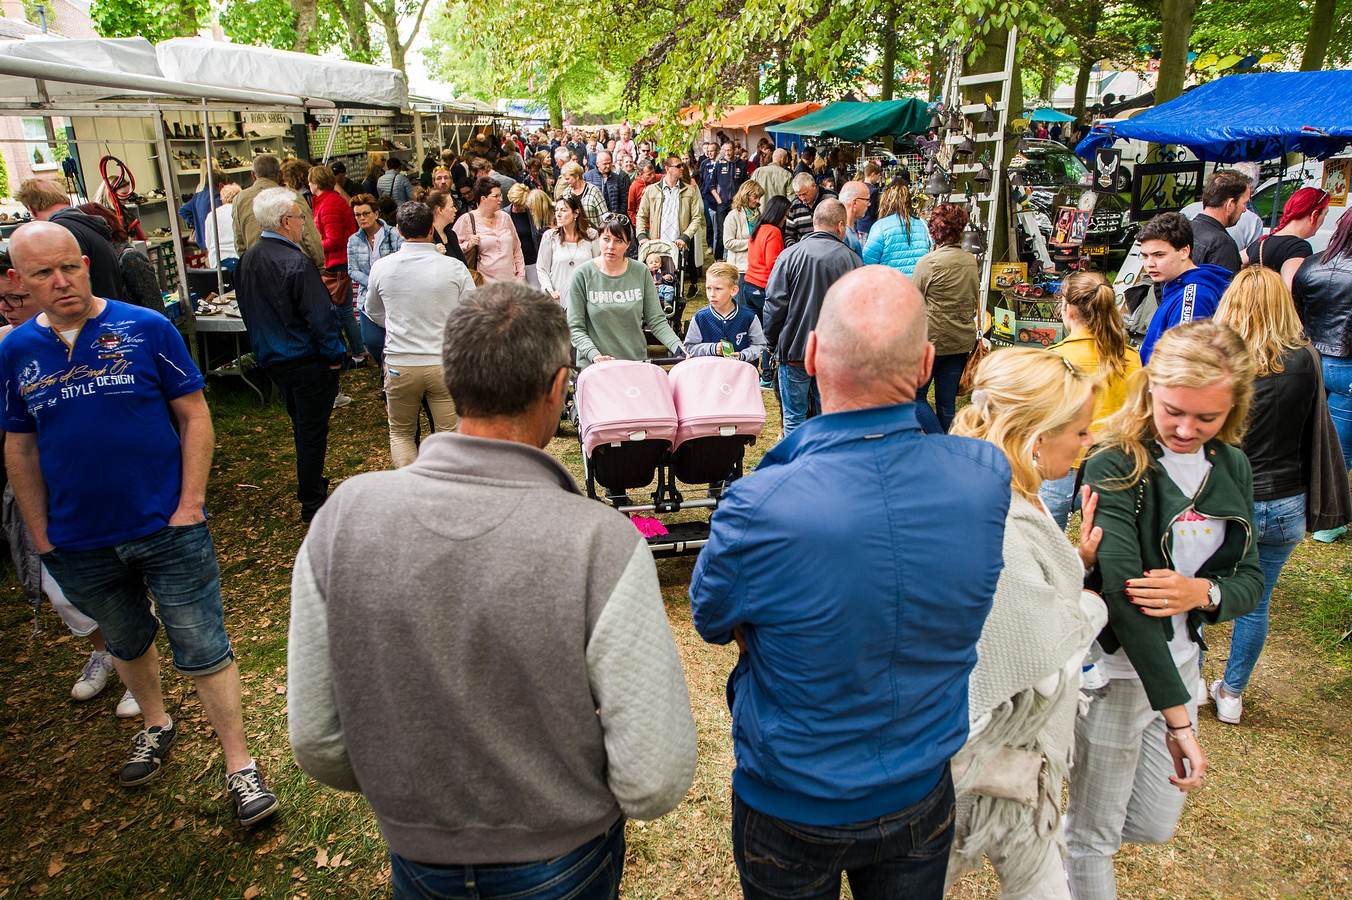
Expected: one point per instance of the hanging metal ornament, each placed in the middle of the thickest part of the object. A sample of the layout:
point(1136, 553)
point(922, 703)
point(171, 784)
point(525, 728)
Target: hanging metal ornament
point(983, 175)
point(937, 185)
point(967, 148)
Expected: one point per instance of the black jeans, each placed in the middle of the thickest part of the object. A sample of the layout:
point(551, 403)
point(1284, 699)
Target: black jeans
point(309, 391)
point(902, 855)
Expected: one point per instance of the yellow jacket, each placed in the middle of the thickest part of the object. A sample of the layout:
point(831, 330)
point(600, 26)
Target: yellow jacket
point(1078, 349)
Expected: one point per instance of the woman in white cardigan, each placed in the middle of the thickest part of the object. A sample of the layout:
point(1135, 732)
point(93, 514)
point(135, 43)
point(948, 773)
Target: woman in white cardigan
point(740, 222)
point(564, 248)
point(1025, 689)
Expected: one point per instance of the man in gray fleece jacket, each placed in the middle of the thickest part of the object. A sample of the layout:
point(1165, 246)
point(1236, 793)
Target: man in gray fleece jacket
point(494, 671)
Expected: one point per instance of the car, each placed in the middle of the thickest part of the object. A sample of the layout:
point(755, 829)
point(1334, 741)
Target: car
point(1054, 177)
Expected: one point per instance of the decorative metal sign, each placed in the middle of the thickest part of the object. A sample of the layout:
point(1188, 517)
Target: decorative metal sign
point(1164, 187)
point(1107, 162)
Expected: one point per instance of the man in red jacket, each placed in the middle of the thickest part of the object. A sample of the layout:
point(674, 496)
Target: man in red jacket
point(647, 176)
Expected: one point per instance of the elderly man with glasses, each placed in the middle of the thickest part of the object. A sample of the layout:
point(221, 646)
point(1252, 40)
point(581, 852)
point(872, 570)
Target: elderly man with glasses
point(294, 333)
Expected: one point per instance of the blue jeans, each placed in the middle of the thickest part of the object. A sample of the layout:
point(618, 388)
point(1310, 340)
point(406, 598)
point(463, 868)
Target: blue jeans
point(373, 337)
point(797, 390)
point(1338, 387)
point(177, 565)
point(1060, 498)
point(347, 324)
point(1280, 526)
point(945, 377)
point(753, 298)
point(904, 854)
point(591, 872)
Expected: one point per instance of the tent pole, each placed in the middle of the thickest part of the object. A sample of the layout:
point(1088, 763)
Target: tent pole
point(211, 195)
point(1277, 195)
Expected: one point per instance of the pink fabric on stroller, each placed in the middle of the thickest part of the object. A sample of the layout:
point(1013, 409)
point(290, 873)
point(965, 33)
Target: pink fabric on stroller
point(622, 400)
point(716, 396)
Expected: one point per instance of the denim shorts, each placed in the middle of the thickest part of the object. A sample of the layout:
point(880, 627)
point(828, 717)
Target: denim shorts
point(177, 567)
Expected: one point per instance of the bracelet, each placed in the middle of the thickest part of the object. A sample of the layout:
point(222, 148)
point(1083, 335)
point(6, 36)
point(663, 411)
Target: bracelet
point(1180, 738)
point(1177, 727)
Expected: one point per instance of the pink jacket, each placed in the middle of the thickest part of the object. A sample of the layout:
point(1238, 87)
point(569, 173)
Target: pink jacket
point(500, 256)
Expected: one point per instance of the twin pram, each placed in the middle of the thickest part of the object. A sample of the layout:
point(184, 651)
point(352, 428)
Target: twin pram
point(692, 425)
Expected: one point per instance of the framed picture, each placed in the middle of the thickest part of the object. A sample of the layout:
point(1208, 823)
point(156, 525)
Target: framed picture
point(1079, 225)
point(1336, 175)
point(1005, 275)
point(1065, 218)
point(1107, 163)
point(1164, 187)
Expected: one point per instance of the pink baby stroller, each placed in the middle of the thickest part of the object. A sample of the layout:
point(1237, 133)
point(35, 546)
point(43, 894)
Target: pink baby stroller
point(637, 423)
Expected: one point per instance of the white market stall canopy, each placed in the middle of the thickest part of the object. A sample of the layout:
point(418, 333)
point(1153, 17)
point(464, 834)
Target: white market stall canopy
point(345, 84)
point(56, 72)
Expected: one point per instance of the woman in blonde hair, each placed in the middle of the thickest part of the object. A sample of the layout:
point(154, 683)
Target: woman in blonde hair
point(1024, 691)
point(1282, 418)
point(375, 167)
point(899, 238)
point(1175, 501)
point(206, 198)
point(1095, 342)
point(737, 227)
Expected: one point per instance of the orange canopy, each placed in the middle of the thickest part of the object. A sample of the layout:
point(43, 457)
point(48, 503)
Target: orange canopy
point(744, 117)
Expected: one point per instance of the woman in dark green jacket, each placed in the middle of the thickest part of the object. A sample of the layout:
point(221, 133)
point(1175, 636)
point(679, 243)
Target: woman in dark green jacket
point(1178, 550)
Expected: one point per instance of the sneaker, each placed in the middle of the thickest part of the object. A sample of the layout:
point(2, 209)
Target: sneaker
point(767, 385)
point(127, 707)
point(253, 801)
point(341, 400)
point(1329, 535)
point(94, 676)
point(147, 755)
point(1203, 693)
point(1228, 709)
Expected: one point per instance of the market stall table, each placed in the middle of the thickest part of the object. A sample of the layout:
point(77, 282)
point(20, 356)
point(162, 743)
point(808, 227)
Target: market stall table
point(223, 363)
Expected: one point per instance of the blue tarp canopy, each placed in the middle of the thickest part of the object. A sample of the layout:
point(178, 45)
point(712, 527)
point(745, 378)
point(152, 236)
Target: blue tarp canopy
point(857, 121)
point(1246, 117)
point(1049, 115)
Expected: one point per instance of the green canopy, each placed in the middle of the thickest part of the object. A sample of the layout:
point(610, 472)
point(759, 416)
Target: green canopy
point(856, 122)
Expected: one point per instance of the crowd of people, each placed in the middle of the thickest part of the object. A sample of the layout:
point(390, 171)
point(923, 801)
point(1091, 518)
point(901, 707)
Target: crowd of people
point(887, 724)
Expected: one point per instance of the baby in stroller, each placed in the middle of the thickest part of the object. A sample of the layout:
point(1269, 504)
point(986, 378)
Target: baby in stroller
point(665, 281)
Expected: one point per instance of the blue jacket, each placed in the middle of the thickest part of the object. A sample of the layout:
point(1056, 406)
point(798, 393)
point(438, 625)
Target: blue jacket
point(286, 308)
point(359, 257)
point(889, 244)
point(198, 207)
point(1193, 295)
point(861, 616)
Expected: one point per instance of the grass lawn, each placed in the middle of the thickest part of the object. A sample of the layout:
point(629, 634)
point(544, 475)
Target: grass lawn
point(1273, 822)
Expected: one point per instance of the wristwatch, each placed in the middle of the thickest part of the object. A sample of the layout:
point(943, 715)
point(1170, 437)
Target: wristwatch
point(1213, 597)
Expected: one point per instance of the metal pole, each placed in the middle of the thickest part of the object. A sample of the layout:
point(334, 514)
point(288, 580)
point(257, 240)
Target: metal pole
point(211, 196)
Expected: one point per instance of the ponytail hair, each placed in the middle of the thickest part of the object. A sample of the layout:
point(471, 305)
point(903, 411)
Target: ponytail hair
point(1092, 298)
point(1021, 394)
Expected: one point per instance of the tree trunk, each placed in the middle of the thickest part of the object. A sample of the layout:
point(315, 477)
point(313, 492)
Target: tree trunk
point(1321, 28)
point(1088, 59)
point(753, 94)
point(799, 78)
point(188, 25)
point(387, 14)
point(783, 77)
point(307, 20)
point(890, 55)
point(353, 15)
point(1176, 20)
point(555, 96)
point(993, 60)
point(936, 71)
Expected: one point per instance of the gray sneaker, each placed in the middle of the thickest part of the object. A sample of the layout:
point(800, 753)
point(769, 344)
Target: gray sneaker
point(341, 400)
point(253, 801)
point(147, 755)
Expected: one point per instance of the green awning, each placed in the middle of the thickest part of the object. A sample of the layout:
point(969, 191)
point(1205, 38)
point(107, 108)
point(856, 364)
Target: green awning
point(856, 122)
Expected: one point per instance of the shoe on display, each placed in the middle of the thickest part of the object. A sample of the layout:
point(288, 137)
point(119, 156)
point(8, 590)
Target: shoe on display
point(1228, 709)
point(341, 400)
point(147, 755)
point(1329, 535)
point(127, 707)
point(94, 676)
point(253, 801)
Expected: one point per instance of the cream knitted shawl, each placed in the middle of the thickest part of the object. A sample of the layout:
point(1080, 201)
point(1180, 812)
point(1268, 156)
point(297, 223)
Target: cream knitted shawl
point(1036, 629)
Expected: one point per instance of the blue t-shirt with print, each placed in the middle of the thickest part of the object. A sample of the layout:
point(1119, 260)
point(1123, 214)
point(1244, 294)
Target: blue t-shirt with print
point(106, 440)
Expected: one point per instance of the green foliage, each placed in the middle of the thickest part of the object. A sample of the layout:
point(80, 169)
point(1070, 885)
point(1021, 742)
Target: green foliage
point(155, 20)
point(4, 177)
point(272, 23)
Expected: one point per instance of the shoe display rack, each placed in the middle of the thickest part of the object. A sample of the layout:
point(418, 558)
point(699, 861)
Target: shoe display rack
point(235, 140)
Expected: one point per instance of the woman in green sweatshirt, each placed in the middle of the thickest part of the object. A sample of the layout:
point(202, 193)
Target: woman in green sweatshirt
point(611, 298)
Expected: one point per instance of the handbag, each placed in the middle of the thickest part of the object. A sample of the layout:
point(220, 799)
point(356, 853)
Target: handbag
point(471, 254)
point(1011, 774)
point(338, 284)
point(1328, 498)
point(974, 358)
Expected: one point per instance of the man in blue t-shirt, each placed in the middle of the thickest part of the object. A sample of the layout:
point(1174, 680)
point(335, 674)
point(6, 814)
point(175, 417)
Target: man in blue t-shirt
point(109, 443)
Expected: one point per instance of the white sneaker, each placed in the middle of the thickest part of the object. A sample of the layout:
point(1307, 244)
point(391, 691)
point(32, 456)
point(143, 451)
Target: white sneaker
point(1228, 709)
point(94, 676)
point(127, 707)
point(341, 400)
point(1203, 693)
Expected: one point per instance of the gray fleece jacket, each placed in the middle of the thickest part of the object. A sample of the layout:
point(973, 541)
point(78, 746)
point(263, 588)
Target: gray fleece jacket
point(484, 654)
